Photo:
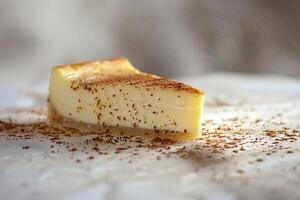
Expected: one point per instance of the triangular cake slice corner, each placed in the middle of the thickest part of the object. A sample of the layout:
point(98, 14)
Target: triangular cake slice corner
point(112, 96)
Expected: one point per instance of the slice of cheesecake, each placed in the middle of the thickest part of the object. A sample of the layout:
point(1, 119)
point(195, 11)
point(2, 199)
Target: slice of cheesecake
point(112, 96)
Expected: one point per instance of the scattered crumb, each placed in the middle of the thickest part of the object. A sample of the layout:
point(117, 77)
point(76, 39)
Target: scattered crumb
point(217, 140)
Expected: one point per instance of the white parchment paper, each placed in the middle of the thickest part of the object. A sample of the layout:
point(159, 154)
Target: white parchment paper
point(36, 173)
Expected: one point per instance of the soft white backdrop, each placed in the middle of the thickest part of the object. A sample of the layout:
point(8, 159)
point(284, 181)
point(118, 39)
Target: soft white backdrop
point(173, 38)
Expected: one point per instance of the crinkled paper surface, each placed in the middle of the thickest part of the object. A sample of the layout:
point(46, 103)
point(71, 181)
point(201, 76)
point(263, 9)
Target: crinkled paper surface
point(264, 170)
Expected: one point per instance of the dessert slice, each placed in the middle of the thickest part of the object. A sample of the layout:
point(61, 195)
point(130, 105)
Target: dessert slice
point(112, 96)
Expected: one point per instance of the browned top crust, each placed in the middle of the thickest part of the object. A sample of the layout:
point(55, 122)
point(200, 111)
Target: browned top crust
point(126, 75)
point(147, 80)
point(77, 66)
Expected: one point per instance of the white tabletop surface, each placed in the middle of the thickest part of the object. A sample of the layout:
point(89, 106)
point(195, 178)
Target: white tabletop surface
point(260, 103)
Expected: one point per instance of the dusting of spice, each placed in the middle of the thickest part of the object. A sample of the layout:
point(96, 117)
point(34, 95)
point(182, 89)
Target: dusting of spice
point(218, 139)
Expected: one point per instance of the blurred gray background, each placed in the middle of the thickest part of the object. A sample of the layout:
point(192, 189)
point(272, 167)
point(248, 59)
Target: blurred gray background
point(173, 38)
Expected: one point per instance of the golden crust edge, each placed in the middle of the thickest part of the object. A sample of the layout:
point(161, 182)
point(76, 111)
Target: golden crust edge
point(124, 60)
point(84, 63)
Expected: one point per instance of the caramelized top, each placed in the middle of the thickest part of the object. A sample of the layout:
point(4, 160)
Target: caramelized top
point(115, 71)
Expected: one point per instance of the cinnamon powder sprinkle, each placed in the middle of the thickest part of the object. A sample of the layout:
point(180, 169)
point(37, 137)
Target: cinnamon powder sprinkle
point(217, 140)
point(271, 133)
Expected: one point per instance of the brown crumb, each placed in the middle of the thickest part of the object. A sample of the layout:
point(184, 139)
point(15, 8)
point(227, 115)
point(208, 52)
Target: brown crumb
point(271, 133)
point(258, 121)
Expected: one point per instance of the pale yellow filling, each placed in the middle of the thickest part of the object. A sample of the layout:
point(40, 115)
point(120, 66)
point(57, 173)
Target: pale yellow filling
point(136, 106)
